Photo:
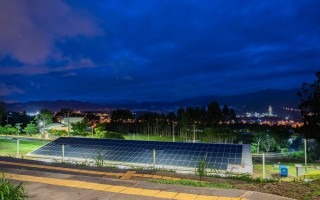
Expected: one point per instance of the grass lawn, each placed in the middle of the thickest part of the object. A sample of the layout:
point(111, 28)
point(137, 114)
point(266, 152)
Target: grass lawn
point(270, 170)
point(9, 147)
point(151, 137)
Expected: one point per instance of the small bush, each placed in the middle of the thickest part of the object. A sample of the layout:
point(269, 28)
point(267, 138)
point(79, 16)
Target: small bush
point(249, 179)
point(194, 183)
point(99, 161)
point(201, 167)
point(112, 135)
point(10, 191)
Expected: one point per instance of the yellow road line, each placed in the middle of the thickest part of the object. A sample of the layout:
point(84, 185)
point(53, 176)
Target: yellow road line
point(112, 188)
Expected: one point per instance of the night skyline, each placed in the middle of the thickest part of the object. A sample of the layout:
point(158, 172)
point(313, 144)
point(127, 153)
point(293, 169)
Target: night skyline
point(109, 51)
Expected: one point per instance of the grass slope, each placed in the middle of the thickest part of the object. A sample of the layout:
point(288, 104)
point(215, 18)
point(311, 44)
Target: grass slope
point(8, 147)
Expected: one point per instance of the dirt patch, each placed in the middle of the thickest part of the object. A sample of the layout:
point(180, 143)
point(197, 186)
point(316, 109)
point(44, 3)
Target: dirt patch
point(295, 190)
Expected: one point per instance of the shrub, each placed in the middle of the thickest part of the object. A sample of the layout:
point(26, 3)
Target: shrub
point(201, 168)
point(10, 191)
point(112, 135)
point(99, 160)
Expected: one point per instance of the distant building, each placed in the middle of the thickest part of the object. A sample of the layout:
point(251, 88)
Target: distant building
point(68, 120)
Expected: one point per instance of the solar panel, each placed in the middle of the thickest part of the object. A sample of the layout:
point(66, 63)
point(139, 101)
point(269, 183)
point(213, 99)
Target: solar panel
point(161, 154)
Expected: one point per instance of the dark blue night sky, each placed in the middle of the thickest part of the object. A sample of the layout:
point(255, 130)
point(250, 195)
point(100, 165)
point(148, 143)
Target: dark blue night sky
point(148, 50)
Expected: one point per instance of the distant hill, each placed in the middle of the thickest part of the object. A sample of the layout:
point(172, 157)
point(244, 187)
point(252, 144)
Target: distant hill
point(33, 106)
point(251, 102)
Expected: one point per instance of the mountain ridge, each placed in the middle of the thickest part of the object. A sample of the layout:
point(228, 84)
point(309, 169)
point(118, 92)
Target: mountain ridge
point(250, 102)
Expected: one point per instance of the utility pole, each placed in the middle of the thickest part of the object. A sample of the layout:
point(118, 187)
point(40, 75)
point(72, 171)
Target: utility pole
point(7, 125)
point(68, 125)
point(305, 153)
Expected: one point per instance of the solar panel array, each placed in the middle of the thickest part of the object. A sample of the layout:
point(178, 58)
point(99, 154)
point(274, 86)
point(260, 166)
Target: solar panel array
point(174, 154)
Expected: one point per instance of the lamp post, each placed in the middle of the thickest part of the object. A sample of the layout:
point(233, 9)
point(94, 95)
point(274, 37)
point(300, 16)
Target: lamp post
point(7, 127)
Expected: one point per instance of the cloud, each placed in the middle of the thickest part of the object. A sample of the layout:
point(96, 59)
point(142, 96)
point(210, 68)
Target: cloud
point(9, 90)
point(31, 28)
point(70, 74)
point(40, 70)
point(157, 49)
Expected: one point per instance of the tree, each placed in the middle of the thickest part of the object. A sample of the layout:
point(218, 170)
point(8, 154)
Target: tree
point(100, 129)
point(112, 135)
point(18, 127)
point(214, 114)
point(185, 125)
point(79, 128)
point(310, 108)
point(10, 129)
point(226, 113)
point(121, 115)
point(2, 109)
point(258, 137)
point(268, 142)
point(30, 129)
point(233, 115)
point(2, 130)
point(59, 133)
point(45, 116)
point(91, 119)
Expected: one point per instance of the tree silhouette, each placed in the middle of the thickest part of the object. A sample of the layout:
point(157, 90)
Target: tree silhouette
point(310, 108)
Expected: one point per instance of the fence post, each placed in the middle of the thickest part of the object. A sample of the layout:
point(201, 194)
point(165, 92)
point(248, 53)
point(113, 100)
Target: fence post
point(154, 158)
point(18, 148)
point(62, 152)
point(263, 167)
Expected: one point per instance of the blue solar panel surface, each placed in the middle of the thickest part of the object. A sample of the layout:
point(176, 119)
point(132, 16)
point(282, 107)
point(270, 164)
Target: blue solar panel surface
point(175, 154)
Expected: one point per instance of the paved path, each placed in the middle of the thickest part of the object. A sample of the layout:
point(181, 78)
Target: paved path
point(60, 183)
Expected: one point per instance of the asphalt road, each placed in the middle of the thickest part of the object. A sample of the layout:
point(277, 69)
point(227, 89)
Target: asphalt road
point(49, 181)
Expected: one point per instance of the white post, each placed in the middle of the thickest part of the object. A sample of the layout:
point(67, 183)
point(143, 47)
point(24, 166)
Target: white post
point(43, 130)
point(148, 133)
point(194, 133)
point(18, 150)
point(305, 154)
point(92, 131)
point(173, 139)
point(68, 125)
point(263, 167)
point(62, 152)
point(154, 158)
